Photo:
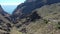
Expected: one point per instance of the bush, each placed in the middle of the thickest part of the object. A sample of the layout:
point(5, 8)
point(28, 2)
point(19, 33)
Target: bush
point(58, 23)
point(46, 21)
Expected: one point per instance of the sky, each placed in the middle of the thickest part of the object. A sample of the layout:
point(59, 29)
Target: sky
point(11, 2)
point(10, 5)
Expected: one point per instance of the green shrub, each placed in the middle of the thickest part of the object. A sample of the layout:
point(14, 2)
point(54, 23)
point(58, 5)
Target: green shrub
point(58, 25)
point(46, 21)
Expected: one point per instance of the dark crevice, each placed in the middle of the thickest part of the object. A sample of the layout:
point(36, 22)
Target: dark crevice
point(23, 30)
point(34, 16)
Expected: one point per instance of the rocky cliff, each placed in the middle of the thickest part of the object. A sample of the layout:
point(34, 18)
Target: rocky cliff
point(5, 23)
point(26, 8)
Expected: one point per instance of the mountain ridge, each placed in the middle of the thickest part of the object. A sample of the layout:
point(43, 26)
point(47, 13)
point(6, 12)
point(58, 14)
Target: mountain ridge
point(27, 7)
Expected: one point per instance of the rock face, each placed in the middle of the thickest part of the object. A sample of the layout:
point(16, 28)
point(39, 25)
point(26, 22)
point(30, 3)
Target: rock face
point(30, 5)
point(2, 11)
point(5, 23)
point(32, 17)
point(46, 24)
point(5, 14)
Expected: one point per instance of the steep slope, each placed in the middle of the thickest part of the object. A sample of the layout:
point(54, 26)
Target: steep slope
point(33, 4)
point(32, 17)
point(38, 17)
point(48, 24)
point(28, 6)
point(5, 24)
point(5, 14)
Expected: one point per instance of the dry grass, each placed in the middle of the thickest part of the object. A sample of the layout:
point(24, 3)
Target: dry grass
point(15, 31)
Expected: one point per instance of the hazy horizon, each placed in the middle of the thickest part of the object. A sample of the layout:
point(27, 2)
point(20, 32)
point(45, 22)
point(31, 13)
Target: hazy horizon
point(9, 8)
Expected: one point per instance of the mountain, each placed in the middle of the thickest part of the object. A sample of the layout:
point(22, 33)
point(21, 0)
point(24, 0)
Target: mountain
point(32, 17)
point(3, 13)
point(5, 23)
point(28, 6)
point(38, 17)
point(44, 20)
